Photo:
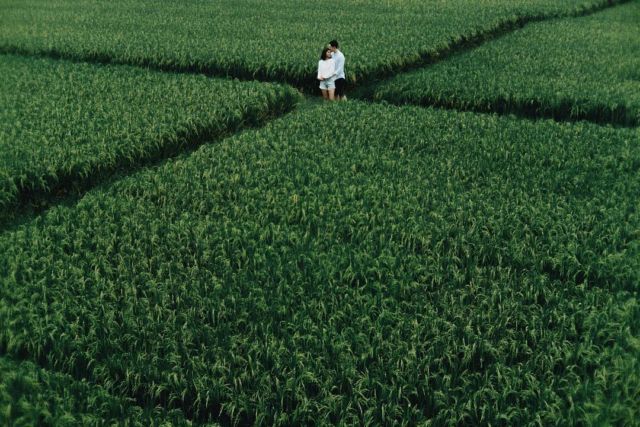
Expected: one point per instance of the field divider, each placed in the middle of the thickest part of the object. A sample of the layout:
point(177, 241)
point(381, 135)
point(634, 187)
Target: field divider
point(146, 63)
point(466, 43)
point(69, 189)
point(529, 109)
point(34, 193)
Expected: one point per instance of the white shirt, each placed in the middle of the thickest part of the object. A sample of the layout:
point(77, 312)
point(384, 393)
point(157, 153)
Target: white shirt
point(338, 58)
point(326, 68)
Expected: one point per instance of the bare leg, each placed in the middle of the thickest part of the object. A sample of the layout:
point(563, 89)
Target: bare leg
point(331, 92)
point(325, 93)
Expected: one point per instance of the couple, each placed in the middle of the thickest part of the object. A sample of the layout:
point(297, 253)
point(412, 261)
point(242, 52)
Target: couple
point(331, 72)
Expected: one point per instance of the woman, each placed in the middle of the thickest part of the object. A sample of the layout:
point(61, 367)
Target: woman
point(327, 74)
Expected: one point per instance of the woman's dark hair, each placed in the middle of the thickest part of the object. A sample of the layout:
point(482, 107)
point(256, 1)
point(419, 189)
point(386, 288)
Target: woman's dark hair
point(323, 56)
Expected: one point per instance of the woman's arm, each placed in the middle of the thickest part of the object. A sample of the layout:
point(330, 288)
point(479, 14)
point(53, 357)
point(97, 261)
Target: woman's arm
point(331, 72)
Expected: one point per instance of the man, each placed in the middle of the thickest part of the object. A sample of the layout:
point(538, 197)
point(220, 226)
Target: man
point(340, 82)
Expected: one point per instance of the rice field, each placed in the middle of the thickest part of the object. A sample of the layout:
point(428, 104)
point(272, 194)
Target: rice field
point(213, 245)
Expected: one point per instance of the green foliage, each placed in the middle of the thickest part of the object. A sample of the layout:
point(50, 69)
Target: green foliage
point(31, 396)
point(64, 122)
point(351, 263)
point(275, 39)
point(581, 68)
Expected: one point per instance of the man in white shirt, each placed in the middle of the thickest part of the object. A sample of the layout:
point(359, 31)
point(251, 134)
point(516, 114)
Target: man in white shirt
point(339, 60)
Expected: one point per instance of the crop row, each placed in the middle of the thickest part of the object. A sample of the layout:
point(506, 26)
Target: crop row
point(32, 396)
point(65, 122)
point(275, 40)
point(416, 265)
point(580, 68)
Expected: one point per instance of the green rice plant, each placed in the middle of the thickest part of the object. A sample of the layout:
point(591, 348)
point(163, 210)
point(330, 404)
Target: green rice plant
point(275, 40)
point(32, 396)
point(355, 264)
point(63, 123)
point(580, 68)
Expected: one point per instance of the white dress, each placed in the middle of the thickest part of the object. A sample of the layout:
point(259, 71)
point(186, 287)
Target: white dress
point(327, 69)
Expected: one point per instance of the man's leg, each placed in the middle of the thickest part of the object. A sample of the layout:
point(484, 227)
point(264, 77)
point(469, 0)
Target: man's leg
point(340, 88)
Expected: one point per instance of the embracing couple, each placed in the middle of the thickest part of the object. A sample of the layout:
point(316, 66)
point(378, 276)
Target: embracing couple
point(331, 72)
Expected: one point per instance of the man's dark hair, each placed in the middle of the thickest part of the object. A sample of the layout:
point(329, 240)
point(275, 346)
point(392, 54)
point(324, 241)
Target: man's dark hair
point(323, 56)
point(334, 43)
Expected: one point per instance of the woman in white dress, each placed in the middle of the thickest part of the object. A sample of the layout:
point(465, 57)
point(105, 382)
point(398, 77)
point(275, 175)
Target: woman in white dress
point(327, 74)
